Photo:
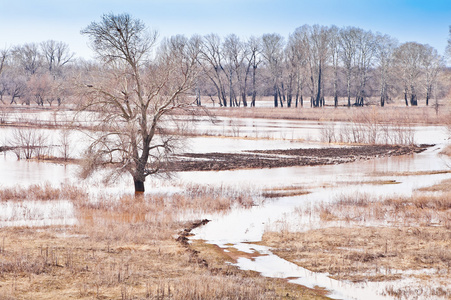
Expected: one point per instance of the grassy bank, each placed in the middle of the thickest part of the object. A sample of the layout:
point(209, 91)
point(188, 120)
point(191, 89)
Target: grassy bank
point(367, 239)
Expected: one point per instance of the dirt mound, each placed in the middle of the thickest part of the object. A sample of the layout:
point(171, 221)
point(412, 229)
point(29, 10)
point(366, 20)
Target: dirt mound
point(285, 158)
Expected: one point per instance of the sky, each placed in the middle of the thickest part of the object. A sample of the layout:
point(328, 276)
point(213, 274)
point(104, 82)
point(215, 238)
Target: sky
point(26, 21)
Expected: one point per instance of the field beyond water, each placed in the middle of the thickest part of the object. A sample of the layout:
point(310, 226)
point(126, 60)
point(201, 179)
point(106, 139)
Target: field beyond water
point(376, 213)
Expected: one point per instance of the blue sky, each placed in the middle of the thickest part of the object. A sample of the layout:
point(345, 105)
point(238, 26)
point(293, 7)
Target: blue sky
point(424, 21)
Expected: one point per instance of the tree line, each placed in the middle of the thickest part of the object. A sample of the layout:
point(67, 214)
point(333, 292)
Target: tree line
point(313, 64)
point(35, 73)
point(320, 62)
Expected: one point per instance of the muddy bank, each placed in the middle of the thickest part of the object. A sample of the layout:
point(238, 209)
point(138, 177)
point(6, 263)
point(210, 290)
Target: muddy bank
point(285, 158)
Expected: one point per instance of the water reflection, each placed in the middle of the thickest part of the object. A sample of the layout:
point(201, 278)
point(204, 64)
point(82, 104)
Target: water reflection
point(37, 213)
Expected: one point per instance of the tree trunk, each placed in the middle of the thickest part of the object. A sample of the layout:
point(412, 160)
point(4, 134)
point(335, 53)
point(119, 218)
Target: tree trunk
point(413, 96)
point(318, 95)
point(281, 100)
point(254, 95)
point(405, 97)
point(254, 89)
point(244, 98)
point(139, 186)
point(276, 102)
point(282, 95)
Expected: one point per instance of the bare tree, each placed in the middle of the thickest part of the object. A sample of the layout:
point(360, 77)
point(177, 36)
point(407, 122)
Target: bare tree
point(316, 40)
point(408, 59)
point(291, 70)
point(272, 51)
point(15, 84)
point(40, 89)
point(65, 141)
point(212, 63)
point(56, 55)
point(334, 45)
point(28, 142)
point(135, 94)
point(233, 56)
point(240, 58)
point(254, 60)
point(366, 48)
point(432, 64)
point(448, 46)
point(28, 57)
point(385, 48)
point(3, 87)
point(3, 59)
point(300, 61)
point(348, 56)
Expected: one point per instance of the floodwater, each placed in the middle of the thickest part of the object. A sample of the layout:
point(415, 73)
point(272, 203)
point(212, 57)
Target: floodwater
point(242, 228)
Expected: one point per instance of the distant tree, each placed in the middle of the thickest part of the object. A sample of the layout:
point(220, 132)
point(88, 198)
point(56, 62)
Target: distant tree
point(3, 85)
point(41, 89)
point(134, 92)
point(28, 57)
point(211, 59)
point(253, 58)
point(240, 57)
point(409, 60)
point(316, 40)
point(233, 55)
point(334, 45)
point(432, 64)
point(291, 70)
point(15, 84)
point(385, 48)
point(348, 43)
point(272, 52)
point(56, 55)
point(366, 49)
point(297, 46)
point(448, 46)
point(3, 57)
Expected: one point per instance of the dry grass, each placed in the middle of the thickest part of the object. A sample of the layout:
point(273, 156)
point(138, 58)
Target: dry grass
point(415, 173)
point(42, 192)
point(125, 248)
point(367, 253)
point(421, 209)
point(391, 114)
point(363, 238)
point(444, 185)
point(446, 151)
point(288, 191)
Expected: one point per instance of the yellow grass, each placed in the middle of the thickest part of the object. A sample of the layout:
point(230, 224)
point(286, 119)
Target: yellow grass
point(125, 248)
point(414, 234)
point(389, 114)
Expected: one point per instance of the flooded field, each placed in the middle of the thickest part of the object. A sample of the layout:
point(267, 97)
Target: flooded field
point(241, 229)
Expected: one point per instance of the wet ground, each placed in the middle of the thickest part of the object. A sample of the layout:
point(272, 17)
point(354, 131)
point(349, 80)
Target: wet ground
point(286, 157)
